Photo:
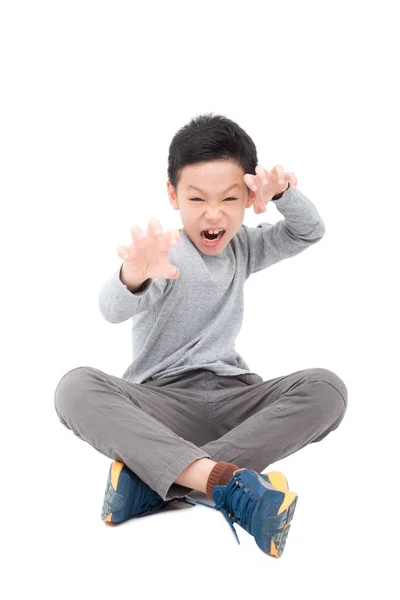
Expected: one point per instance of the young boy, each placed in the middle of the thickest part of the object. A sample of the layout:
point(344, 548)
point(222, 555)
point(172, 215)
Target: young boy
point(188, 413)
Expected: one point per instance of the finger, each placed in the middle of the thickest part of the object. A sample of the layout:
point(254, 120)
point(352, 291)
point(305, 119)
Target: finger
point(262, 174)
point(137, 233)
point(280, 172)
point(171, 272)
point(154, 227)
point(249, 181)
point(173, 237)
point(123, 252)
point(293, 180)
point(259, 207)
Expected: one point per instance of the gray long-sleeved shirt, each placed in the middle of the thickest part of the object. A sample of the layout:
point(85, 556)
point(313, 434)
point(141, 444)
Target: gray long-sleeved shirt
point(192, 322)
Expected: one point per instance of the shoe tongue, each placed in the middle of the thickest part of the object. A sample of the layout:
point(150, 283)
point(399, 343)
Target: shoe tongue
point(239, 500)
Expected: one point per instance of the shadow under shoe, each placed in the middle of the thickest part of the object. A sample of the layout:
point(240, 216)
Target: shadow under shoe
point(261, 504)
point(128, 496)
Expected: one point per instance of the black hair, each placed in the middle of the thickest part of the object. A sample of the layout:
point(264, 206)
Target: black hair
point(207, 138)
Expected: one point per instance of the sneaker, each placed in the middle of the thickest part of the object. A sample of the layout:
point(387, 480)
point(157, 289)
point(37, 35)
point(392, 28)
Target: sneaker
point(128, 496)
point(261, 504)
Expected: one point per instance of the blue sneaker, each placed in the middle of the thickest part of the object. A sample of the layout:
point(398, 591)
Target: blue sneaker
point(261, 504)
point(128, 496)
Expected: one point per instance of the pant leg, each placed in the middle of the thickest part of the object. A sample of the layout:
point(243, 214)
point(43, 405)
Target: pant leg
point(123, 421)
point(257, 423)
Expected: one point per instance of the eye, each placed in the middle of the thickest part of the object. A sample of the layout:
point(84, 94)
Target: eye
point(202, 200)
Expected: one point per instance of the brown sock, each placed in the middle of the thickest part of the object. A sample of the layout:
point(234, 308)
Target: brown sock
point(220, 475)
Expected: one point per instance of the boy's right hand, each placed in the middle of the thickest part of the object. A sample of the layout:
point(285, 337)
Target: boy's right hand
point(148, 255)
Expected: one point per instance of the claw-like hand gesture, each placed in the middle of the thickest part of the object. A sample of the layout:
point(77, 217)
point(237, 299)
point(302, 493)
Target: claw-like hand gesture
point(148, 254)
point(268, 184)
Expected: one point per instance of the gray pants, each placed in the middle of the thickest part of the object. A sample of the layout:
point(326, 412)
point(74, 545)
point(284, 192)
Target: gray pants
point(159, 427)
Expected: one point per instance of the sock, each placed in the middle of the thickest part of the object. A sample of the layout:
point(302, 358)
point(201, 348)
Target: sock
point(220, 475)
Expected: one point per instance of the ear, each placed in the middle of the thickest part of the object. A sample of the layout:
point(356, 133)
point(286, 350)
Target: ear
point(250, 198)
point(172, 196)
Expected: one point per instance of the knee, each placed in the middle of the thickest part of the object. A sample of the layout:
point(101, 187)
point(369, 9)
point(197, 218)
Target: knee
point(68, 395)
point(337, 400)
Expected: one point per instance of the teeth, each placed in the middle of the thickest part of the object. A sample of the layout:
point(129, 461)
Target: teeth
point(214, 230)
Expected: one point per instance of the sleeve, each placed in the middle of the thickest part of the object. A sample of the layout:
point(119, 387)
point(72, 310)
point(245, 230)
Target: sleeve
point(117, 303)
point(270, 243)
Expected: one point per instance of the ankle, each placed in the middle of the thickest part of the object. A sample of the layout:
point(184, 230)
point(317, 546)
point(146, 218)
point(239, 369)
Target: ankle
point(196, 475)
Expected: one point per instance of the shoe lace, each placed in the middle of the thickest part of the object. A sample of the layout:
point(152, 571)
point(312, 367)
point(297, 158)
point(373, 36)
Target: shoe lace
point(237, 504)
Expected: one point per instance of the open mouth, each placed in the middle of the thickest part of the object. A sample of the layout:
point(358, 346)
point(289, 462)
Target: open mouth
point(212, 239)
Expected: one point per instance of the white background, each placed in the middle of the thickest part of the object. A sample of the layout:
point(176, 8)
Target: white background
point(91, 96)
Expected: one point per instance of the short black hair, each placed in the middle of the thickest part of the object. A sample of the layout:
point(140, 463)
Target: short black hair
point(210, 137)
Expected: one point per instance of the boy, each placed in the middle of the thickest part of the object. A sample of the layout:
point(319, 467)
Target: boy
point(188, 413)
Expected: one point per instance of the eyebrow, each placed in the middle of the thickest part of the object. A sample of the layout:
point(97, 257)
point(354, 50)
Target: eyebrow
point(199, 190)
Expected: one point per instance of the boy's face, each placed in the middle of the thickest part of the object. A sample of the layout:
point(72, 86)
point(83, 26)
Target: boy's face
point(213, 206)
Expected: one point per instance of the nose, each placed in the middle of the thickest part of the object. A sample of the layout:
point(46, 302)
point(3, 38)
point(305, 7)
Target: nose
point(213, 215)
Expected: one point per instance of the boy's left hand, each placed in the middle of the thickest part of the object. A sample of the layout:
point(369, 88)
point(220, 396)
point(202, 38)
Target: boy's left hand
point(268, 184)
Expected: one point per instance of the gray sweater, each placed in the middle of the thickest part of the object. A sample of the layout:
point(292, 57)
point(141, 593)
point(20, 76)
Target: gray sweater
point(192, 322)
